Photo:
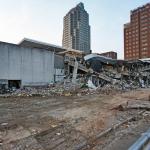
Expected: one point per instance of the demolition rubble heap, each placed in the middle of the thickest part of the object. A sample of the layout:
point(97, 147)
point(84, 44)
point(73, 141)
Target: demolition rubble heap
point(92, 74)
point(104, 74)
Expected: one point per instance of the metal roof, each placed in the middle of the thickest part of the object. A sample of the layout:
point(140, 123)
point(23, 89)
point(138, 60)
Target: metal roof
point(41, 45)
point(96, 55)
point(103, 59)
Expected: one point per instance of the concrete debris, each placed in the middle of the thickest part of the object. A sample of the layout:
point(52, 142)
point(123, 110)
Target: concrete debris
point(127, 106)
point(4, 124)
point(65, 88)
point(1, 141)
point(119, 107)
point(109, 73)
point(58, 133)
point(91, 85)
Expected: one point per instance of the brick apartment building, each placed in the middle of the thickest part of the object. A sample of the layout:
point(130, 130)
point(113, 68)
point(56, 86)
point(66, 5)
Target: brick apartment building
point(109, 54)
point(137, 34)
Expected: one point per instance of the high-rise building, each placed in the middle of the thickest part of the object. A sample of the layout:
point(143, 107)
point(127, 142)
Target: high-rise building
point(76, 32)
point(137, 34)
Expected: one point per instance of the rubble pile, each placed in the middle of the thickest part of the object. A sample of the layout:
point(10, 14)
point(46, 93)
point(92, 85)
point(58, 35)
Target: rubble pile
point(84, 85)
point(65, 88)
point(105, 75)
point(118, 74)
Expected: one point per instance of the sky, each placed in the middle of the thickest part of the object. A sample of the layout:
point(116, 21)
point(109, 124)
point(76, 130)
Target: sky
point(42, 20)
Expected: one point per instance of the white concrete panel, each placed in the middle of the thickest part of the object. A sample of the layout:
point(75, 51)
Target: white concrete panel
point(26, 69)
point(14, 58)
point(4, 61)
point(37, 61)
point(48, 66)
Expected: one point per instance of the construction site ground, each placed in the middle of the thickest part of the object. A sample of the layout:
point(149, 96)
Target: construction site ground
point(74, 122)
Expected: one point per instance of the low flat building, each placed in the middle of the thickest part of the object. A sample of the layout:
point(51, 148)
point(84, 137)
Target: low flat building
point(110, 54)
point(30, 63)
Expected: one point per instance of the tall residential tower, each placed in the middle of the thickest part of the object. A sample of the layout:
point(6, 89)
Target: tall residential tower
point(137, 34)
point(76, 32)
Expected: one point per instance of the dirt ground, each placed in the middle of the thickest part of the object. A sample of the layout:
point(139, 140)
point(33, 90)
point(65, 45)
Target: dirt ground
point(66, 123)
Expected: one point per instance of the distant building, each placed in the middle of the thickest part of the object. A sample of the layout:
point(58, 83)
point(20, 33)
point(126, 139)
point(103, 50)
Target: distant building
point(137, 34)
point(76, 32)
point(109, 54)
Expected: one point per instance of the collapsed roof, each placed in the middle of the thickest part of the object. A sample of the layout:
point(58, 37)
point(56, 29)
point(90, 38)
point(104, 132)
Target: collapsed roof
point(102, 59)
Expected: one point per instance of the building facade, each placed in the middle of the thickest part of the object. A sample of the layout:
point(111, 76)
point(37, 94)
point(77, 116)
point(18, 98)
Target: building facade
point(25, 66)
point(76, 31)
point(59, 68)
point(109, 54)
point(137, 34)
point(30, 63)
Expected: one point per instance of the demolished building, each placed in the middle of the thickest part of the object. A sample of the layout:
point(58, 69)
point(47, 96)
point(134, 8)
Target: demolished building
point(34, 63)
point(102, 70)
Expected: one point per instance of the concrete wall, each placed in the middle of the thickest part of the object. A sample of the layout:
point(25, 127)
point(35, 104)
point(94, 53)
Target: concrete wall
point(31, 66)
point(59, 75)
point(59, 62)
point(59, 68)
